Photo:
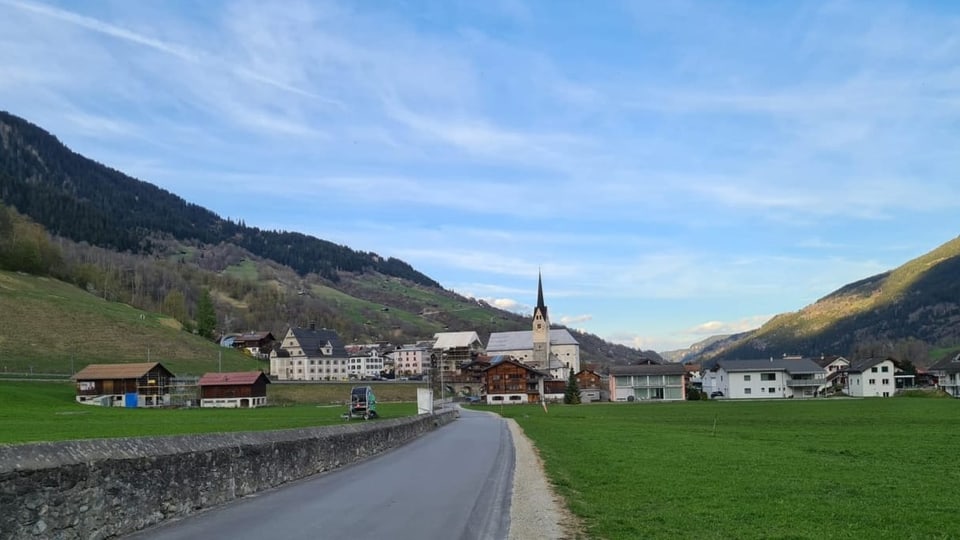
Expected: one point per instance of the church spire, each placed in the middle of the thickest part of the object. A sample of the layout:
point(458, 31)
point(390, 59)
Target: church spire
point(541, 307)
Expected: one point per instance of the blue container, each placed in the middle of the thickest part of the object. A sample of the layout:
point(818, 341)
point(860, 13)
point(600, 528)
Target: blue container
point(130, 399)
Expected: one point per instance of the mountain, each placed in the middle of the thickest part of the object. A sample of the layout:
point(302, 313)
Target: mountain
point(916, 303)
point(77, 198)
point(125, 240)
point(701, 348)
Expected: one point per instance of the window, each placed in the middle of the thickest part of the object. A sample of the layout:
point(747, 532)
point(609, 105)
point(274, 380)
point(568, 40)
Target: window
point(498, 398)
point(748, 390)
point(772, 390)
point(746, 378)
point(873, 369)
point(886, 381)
point(885, 369)
point(872, 381)
point(768, 376)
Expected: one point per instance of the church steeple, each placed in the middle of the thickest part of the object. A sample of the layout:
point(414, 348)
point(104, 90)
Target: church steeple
point(541, 307)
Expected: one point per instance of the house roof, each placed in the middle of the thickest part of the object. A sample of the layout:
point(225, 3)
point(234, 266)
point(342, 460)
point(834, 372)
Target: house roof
point(312, 341)
point(95, 372)
point(455, 340)
point(790, 365)
point(648, 369)
point(232, 378)
point(862, 365)
point(254, 336)
point(510, 360)
point(523, 340)
point(949, 364)
point(825, 361)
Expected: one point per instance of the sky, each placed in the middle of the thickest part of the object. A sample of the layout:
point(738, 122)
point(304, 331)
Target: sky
point(674, 169)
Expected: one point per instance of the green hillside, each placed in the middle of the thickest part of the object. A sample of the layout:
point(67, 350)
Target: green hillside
point(51, 327)
point(920, 300)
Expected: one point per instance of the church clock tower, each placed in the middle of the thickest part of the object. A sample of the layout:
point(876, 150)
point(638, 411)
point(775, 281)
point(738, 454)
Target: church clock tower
point(541, 330)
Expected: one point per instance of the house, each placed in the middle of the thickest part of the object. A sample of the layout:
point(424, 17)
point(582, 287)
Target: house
point(873, 377)
point(551, 350)
point(947, 372)
point(836, 368)
point(511, 382)
point(411, 359)
point(308, 354)
point(245, 389)
point(591, 386)
point(258, 344)
point(453, 349)
point(786, 377)
point(365, 363)
point(662, 382)
point(144, 384)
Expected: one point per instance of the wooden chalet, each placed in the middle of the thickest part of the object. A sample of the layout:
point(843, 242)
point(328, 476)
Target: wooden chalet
point(258, 343)
point(591, 386)
point(124, 385)
point(511, 382)
point(245, 389)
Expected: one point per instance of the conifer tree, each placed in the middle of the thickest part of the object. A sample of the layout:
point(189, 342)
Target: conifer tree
point(571, 395)
point(206, 316)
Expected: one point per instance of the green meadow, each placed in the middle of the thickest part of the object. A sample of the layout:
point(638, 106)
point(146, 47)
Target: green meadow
point(880, 468)
point(46, 411)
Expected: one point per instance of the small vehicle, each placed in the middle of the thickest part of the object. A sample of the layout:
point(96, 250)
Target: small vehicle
point(716, 394)
point(363, 404)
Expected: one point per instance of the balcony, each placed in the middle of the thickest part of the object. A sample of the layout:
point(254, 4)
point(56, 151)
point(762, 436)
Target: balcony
point(806, 383)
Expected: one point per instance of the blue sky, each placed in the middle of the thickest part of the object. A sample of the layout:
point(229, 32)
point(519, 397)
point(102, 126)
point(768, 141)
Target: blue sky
point(675, 169)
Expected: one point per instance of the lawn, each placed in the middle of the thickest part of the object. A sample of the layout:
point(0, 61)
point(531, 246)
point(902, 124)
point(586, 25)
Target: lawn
point(881, 468)
point(37, 411)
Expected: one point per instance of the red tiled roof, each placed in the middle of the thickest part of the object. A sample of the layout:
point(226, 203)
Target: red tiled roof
point(95, 372)
point(232, 378)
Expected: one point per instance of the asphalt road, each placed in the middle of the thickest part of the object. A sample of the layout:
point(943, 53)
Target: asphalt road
point(453, 483)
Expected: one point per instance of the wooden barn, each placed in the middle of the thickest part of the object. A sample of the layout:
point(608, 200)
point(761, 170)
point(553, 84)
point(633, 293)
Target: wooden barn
point(245, 389)
point(144, 384)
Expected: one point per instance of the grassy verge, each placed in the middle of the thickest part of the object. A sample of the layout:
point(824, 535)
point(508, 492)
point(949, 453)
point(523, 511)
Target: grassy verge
point(37, 411)
point(799, 469)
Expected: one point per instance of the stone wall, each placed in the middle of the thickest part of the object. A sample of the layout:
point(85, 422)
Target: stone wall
point(108, 487)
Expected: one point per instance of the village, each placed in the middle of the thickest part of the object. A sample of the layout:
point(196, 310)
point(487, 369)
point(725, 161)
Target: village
point(518, 367)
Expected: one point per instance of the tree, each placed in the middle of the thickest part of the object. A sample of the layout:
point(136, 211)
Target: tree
point(571, 396)
point(175, 306)
point(206, 316)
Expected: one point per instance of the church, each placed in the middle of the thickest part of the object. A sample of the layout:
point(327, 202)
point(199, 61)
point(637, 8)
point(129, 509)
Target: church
point(550, 350)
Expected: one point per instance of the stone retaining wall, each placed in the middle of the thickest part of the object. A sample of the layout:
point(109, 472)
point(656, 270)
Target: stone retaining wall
point(108, 487)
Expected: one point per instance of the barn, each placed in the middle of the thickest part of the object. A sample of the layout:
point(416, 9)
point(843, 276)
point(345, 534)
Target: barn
point(144, 384)
point(244, 389)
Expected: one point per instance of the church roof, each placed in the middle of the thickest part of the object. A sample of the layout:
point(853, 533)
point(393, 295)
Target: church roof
point(523, 339)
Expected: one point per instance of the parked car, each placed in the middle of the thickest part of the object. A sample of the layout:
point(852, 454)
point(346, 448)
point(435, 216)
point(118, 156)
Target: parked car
point(716, 394)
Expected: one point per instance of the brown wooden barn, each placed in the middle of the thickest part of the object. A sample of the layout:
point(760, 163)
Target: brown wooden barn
point(144, 384)
point(245, 389)
point(509, 381)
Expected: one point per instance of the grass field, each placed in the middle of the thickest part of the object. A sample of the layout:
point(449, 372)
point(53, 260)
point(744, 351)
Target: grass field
point(38, 411)
point(882, 468)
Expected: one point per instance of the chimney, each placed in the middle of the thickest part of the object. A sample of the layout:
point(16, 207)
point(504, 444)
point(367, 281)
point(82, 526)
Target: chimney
point(313, 327)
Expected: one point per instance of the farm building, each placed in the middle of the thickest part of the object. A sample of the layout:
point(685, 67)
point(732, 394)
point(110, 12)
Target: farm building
point(234, 390)
point(124, 385)
point(509, 381)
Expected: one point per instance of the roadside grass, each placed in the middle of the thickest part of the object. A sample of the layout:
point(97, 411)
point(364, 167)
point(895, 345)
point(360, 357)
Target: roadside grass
point(880, 468)
point(46, 411)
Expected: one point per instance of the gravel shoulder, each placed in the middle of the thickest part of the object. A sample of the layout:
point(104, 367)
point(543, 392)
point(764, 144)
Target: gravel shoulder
point(536, 511)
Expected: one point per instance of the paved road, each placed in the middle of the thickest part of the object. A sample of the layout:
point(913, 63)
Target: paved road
point(452, 483)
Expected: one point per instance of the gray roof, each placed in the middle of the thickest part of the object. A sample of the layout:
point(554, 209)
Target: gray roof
point(790, 365)
point(825, 361)
point(648, 369)
point(949, 364)
point(523, 340)
point(862, 365)
point(312, 341)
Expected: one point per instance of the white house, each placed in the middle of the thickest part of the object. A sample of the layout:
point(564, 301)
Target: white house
point(310, 355)
point(836, 367)
point(664, 382)
point(765, 379)
point(873, 377)
point(365, 363)
point(947, 372)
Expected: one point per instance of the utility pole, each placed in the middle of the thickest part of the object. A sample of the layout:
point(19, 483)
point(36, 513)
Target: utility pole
point(219, 360)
